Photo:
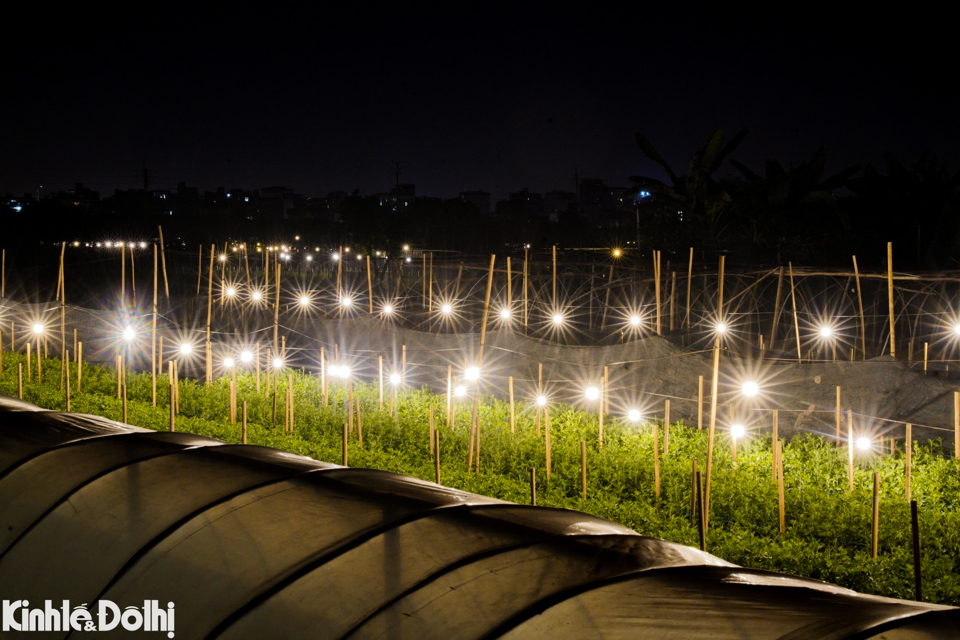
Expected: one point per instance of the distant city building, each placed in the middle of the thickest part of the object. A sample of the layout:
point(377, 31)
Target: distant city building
point(532, 202)
point(400, 197)
point(557, 202)
point(479, 199)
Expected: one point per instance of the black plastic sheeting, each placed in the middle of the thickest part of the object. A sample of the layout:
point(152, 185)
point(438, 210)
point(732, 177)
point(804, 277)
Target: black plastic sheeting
point(251, 542)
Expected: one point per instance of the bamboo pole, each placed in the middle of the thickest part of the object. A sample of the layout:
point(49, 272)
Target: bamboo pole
point(776, 439)
point(20, 380)
point(276, 304)
point(369, 285)
point(208, 350)
point(124, 404)
point(686, 320)
point(163, 263)
point(345, 445)
point(3, 275)
point(908, 462)
point(512, 414)
point(606, 300)
point(656, 285)
point(776, 310)
point(710, 437)
point(431, 429)
point(606, 389)
point(173, 403)
point(533, 486)
point(123, 278)
point(380, 381)
point(403, 364)
point(256, 356)
point(719, 304)
point(359, 421)
point(666, 427)
point(555, 278)
point(29, 359)
point(796, 321)
point(673, 297)
point(436, 455)
point(600, 417)
point(486, 311)
point(526, 256)
point(153, 336)
point(546, 414)
point(199, 269)
point(243, 427)
point(875, 528)
point(656, 461)
point(509, 285)
point(450, 396)
point(917, 574)
point(849, 451)
point(583, 469)
point(66, 361)
point(702, 520)
point(700, 403)
point(473, 431)
point(79, 365)
point(133, 276)
point(781, 503)
point(233, 402)
point(893, 328)
point(956, 422)
point(926, 347)
point(430, 285)
point(693, 493)
point(863, 325)
point(838, 415)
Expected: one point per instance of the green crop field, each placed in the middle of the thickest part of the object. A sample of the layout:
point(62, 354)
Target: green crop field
point(828, 529)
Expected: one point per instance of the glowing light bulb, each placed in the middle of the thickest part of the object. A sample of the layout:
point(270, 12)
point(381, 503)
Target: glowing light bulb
point(309, 258)
point(460, 391)
point(38, 328)
point(335, 257)
point(344, 371)
point(223, 258)
point(186, 349)
point(406, 247)
point(826, 331)
point(246, 356)
point(863, 443)
point(228, 363)
point(557, 319)
point(231, 292)
point(750, 389)
point(257, 296)
point(346, 301)
point(720, 327)
point(278, 363)
point(387, 309)
point(395, 378)
point(408, 259)
point(472, 374)
point(737, 431)
point(592, 393)
point(128, 334)
point(633, 415)
point(635, 320)
point(143, 245)
point(956, 329)
point(505, 314)
point(541, 401)
point(304, 301)
point(446, 309)
point(617, 253)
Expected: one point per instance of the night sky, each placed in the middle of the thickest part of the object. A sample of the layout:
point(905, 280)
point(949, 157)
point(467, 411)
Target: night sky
point(500, 99)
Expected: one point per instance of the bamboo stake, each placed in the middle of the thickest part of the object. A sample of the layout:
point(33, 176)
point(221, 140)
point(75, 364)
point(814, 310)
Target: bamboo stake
point(380, 378)
point(893, 328)
point(700, 403)
point(124, 404)
point(908, 462)
point(431, 429)
point(450, 396)
point(796, 322)
point(163, 262)
point(430, 285)
point(276, 304)
point(838, 415)
point(555, 277)
point(666, 427)
point(863, 325)
point(956, 421)
point(209, 345)
point(702, 520)
point(243, 428)
point(199, 269)
point(775, 439)
point(403, 364)
point(605, 390)
point(710, 437)
point(29, 360)
point(256, 356)
point(849, 451)
point(656, 461)
point(673, 297)
point(693, 493)
point(123, 278)
point(526, 255)
point(133, 276)
point(509, 285)
point(606, 300)
point(512, 414)
point(423, 301)
point(719, 301)
point(546, 414)
point(486, 311)
point(173, 403)
point(686, 319)
point(600, 417)
point(3, 275)
point(79, 365)
point(233, 402)
point(345, 447)
point(67, 372)
point(915, 529)
point(533, 486)
point(473, 421)
point(369, 285)
point(780, 496)
point(926, 347)
point(153, 336)
point(875, 529)
point(656, 285)
point(583, 469)
point(20, 380)
point(436, 455)
point(776, 310)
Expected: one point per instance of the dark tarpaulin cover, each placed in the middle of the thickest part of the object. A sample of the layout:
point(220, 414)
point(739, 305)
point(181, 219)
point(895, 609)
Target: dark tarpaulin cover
point(251, 542)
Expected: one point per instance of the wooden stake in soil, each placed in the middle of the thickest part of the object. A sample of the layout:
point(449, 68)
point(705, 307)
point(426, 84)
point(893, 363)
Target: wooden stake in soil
point(775, 440)
point(153, 336)
point(956, 422)
point(359, 421)
point(512, 414)
point(380, 379)
point(893, 328)
point(209, 344)
point(863, 325)
point(533, 486)
point(163, 263)
point(486, 311)
point(431, 429)
point(546, 414)
point(908, 462)
point(66, 361)
point(526, 255)
point(369, 285)
point(243, 427)
point(849, 451)
point(173, 404)
point(555, 277)
point(780, 497)
point(926, 348)
point(875, 529)
point(583, 469)
point(686, 320)
point(917, 576)
point(124, 404)
point(702, 520)
point(436, 455)
point(345, 448)
point(837, 415)
point(720, 290)
point(710, 437)
point(693, 493)
point(20, 380)
point(796, 321)
point(233, 402)
point(29, 361)
point(656, 461)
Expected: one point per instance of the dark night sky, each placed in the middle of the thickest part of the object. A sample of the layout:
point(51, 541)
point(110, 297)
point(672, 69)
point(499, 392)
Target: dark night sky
point(498, 99)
